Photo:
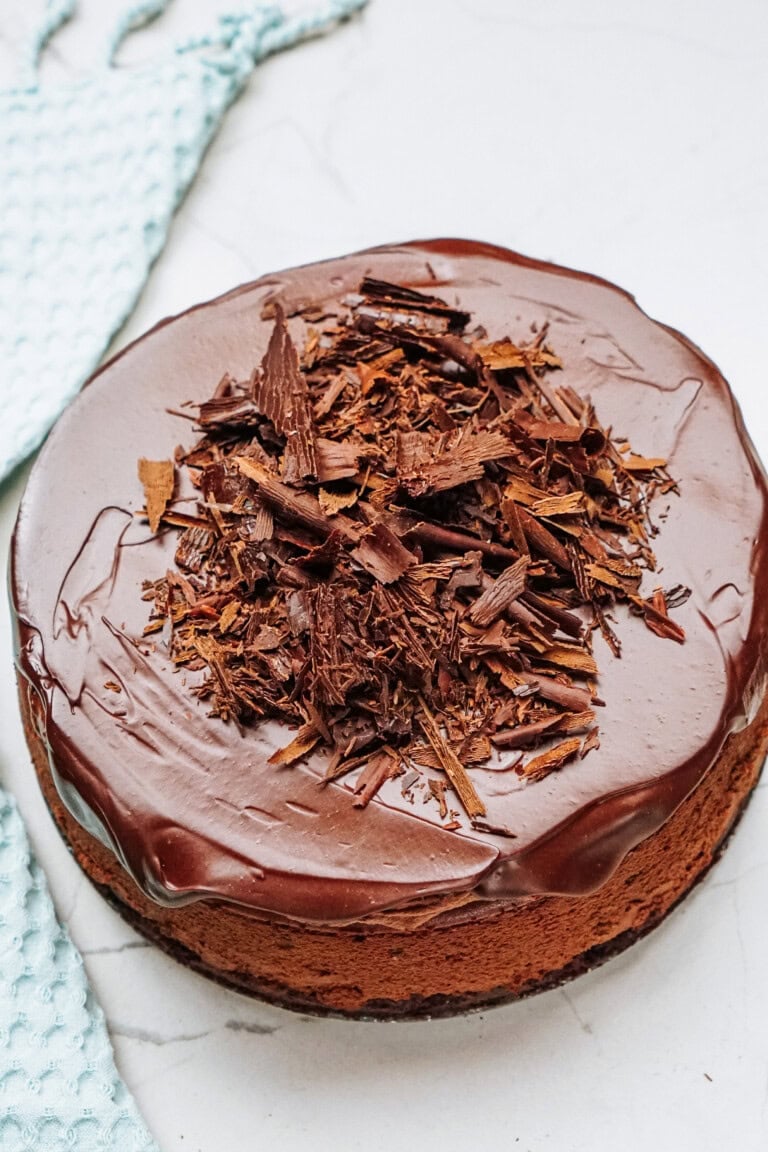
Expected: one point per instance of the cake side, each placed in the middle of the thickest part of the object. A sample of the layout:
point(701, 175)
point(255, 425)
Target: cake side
point(482, 954)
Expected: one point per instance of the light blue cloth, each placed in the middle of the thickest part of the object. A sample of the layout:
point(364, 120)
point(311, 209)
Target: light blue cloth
point(90, 175)
point(58, 1085)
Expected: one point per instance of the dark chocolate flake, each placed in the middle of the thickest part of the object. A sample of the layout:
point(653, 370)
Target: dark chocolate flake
point(281, 395)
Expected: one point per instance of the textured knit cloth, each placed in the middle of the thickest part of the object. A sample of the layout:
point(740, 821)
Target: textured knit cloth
point(90, 175)
point(58, 1085)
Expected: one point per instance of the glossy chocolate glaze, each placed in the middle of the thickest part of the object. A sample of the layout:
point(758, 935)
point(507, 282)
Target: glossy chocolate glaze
point(189, 805)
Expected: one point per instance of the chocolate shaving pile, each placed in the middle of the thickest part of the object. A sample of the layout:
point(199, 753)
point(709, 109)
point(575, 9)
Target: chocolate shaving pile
point(406, 536)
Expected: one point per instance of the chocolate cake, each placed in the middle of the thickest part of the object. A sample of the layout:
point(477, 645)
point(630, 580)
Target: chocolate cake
point(391, 630)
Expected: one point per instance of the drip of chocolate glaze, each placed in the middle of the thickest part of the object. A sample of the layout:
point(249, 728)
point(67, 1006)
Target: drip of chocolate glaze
point(189, 805)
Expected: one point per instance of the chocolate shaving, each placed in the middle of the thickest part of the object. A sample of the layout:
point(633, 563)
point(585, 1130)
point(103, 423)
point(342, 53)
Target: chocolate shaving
point(503, 354)
point(540, 766)
point(526, 735)
point(542, 540)
point(565, 695)
point(591, 742)
point(303, 743)
point(384, 765)
point(643, 463)
point(450, 763)
point(293, 507)
point(437, 789)
point(157, 479)
point(398, 296)
point(559, 505)
point(492, 829)
point(336, 461)
point(260, 526)
point(280, 393)
point(382, 555)
point(459, 541)
point(193, 548)
point(405, 536)
point(655, 615)
point(475, 749)
point(335, 501)
point(500, 594)
point(553, 430)
point(228, 411)
point(457, 461)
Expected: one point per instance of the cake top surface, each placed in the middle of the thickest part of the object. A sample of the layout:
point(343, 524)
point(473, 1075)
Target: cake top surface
point(190, 803)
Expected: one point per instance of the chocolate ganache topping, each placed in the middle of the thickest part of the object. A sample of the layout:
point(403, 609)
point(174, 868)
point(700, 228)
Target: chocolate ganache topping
point(190, 804)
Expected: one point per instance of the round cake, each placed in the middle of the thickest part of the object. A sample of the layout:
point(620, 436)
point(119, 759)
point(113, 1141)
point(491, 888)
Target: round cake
point(391, 630)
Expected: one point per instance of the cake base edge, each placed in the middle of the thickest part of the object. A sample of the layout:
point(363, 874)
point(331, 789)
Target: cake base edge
point(501, 952)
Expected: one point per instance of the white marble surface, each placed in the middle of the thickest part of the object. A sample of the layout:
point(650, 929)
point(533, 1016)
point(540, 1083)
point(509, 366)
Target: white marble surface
point(626, 139)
